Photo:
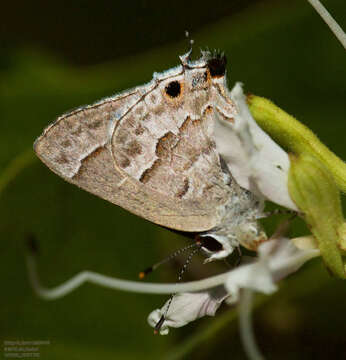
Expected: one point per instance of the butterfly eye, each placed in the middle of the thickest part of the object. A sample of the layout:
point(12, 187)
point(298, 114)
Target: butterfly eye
point(217, 66)
point(210, 243)
point(173, 89)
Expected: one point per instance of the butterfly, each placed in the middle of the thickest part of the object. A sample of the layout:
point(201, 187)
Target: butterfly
point(152, 151)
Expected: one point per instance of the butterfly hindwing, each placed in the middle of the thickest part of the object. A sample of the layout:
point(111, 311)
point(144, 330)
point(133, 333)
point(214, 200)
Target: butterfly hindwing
point(82, 148)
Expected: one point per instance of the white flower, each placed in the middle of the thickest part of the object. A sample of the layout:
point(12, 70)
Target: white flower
point(254, 159)
point(277, 258)
point(186, 307)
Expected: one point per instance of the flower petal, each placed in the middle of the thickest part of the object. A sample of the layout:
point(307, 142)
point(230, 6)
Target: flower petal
point(254, 159)
point(255, 276)
point(187, 307)
point(284, 257)
point(277, 259)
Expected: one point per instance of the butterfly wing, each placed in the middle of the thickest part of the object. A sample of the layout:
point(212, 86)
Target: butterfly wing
point(145, 155)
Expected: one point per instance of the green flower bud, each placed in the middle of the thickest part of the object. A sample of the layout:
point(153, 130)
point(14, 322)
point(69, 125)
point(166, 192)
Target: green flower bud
point(313, 189)
point(295, 137)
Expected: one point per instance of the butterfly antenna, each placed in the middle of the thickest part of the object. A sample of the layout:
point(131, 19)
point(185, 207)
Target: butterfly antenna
point(182, 271)
point(150, 269)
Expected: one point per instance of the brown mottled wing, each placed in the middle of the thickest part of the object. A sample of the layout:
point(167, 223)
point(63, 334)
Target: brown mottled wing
point(78, 147)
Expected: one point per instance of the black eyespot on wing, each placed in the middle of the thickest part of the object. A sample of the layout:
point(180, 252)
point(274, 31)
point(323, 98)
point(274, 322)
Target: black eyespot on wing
point(173, 89)
point(217, 65)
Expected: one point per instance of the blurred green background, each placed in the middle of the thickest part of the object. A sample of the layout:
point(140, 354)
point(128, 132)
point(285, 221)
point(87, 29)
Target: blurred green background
point(59, 55)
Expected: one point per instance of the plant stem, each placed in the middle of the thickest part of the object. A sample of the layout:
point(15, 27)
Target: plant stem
point(328, 19)
point(245, 325)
